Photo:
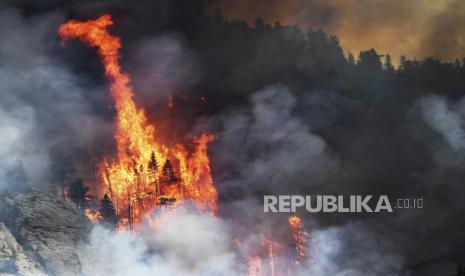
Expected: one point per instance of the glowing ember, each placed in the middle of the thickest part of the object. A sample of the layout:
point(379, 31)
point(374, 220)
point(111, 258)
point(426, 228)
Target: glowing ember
point(93, 216)
point(300, 238)
point(255, 266)
point(145, 172)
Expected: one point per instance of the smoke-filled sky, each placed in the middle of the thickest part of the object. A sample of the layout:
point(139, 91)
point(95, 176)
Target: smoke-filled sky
point(415, 28)
point(286, 120)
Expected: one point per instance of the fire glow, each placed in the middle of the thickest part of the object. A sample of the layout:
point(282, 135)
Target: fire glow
point(147, 173)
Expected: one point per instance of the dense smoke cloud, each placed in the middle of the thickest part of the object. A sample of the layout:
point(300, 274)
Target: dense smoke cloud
point(187, 242)
point(161, 66)
point(331, 127)
point(420, 28)
point(190, 241)
point(41, 99)
point(266, 147)
point(344, 250)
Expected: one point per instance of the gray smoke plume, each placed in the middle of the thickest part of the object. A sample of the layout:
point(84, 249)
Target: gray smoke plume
point(448, 122)
point(266, 147)
point(55, 108)
point(43, 103)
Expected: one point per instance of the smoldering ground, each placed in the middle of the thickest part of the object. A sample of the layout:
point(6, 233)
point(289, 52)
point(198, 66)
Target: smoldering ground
point(315, 124)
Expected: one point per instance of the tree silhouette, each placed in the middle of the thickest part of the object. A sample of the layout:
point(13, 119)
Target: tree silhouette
point(351, 59)
point(107, 211)
point(259, 24)
point(152, 169)
point(165, 201)
point(77, 192)
point(388, 63)
point(153, 164)
point(369, 61)
point(168, 173)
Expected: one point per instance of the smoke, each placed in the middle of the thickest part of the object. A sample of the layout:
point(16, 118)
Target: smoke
point(283, 140)
point(344, 250)
point(266, 148)
point(275, 145)
point(13, 126)
point(43, 103)
point(161, 66)
point(444, 120)
point(187, 241)
point(424, 28)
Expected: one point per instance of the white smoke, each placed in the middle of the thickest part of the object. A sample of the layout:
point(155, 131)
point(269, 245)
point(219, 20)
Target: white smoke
point(351, 250)
point(14, 126)
point(187, 242)
point(445, 119)
point(43, 103)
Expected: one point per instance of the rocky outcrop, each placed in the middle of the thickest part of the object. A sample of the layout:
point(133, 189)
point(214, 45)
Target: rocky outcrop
point(13, 260)
point(43, 233)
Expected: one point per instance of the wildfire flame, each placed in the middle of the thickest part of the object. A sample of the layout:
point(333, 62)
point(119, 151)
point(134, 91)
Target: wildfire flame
point(300, 238)
point(93, 216)
point(145, 172)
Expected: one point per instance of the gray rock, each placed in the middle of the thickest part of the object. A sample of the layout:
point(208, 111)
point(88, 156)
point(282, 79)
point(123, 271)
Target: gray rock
point(13, 260)
point(47, 228)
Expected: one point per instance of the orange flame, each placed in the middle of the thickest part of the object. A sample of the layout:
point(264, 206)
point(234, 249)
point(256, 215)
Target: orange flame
point(300, 237)
point(139, 178)
point(93, 216)
point(255, 266)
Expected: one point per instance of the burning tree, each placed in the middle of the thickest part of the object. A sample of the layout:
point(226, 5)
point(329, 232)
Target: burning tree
point(152, 170)
point(169, 175)
point(137, 142)
point(185, 175)
point(300, 237)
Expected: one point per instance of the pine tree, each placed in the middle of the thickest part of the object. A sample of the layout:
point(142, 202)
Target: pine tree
point(403, 62)
point(152, 170)
point(107, 211)
point(369, 61)
point(388, 64)
point(153, 164)
point(168, 173)
point(78, 192)
point(351, 59)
